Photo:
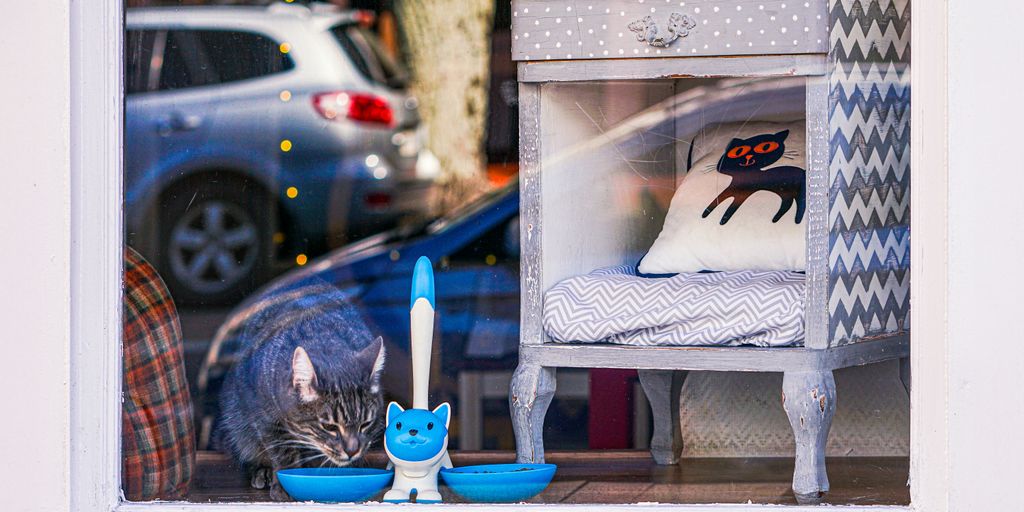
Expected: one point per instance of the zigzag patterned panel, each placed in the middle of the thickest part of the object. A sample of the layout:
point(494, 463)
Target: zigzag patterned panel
point(869, 169)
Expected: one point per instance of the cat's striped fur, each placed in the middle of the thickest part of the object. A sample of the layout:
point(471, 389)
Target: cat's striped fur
point(306, 388)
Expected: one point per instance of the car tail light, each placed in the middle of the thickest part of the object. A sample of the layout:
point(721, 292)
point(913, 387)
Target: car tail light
point(365, 18)
point(357, 106)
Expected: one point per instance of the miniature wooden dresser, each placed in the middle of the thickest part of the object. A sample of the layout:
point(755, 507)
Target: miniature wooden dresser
point(595, 74)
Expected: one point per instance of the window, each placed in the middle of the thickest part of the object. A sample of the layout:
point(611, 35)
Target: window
point(943, 439)
point(185, 62)
point(372, 61)
point(242, 55)
point(139, 53)
point(179, 59)
point(290, 213)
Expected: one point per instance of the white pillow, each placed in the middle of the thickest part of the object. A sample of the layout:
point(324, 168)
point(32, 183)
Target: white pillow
point(710, 226)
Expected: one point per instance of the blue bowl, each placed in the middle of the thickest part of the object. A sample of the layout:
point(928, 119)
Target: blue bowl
point(334, 485)
point(499, 483)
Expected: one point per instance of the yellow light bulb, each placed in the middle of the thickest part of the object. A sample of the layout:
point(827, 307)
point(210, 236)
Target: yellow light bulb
point(286, 145)
point(491, 259)
point(301, 260)
point(285, 47)
point(292, 192)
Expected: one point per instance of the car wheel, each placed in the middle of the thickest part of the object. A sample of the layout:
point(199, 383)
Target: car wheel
point(215, 242)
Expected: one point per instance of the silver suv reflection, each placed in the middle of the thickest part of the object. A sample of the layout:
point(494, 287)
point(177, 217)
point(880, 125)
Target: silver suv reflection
point(259, 137)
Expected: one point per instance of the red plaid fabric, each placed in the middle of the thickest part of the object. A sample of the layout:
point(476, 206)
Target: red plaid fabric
point(157, 440)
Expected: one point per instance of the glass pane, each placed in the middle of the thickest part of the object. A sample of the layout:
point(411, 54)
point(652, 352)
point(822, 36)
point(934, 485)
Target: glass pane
point(287, 165)
point(238, 55)
point(139, 60)
point(370, 58)
point(185, 62)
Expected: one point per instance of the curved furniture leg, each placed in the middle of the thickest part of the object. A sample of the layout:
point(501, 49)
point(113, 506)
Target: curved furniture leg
point(662, 390)
point(809, 399)
point(905, 373)
point(531, 392)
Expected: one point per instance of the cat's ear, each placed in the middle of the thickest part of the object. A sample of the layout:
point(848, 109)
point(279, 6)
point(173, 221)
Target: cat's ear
point(444, 412)
point(374, 355)
point(782, 135)
point(393, 410)
point(303, 376)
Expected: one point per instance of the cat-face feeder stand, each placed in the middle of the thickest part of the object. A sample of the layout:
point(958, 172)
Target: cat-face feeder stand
point(416, 439)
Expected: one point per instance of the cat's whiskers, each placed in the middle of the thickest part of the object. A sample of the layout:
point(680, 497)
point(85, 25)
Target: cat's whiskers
point(311, 458)
point(280, 444)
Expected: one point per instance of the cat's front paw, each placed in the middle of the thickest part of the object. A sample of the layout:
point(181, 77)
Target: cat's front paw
point(277, 493)
point(262, 478)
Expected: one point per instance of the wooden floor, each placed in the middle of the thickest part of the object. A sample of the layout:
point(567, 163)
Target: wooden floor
point(632, 477)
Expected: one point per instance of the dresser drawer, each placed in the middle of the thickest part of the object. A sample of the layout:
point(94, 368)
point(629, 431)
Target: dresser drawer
point(609, 29)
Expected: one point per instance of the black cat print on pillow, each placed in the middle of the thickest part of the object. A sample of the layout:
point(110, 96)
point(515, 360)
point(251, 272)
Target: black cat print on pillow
point(741, 204)
point(745, 161)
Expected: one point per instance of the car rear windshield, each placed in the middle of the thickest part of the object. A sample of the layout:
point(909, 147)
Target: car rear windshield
point(369, 56)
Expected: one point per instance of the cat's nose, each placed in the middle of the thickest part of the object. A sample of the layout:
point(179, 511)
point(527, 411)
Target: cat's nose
point(413, 432)
point(351, 446)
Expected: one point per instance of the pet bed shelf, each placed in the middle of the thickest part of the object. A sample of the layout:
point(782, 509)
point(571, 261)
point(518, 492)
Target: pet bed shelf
point(611, 95)
point(725, 359)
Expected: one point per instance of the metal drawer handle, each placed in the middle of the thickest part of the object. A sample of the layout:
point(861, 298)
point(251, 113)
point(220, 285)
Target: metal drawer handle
point(646, 29)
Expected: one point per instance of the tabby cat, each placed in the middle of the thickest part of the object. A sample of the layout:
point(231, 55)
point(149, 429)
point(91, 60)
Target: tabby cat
point(745, 161)
point(306, 388)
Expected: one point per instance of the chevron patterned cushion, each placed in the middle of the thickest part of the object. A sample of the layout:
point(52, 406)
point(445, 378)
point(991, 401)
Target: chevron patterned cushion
point(613, 305)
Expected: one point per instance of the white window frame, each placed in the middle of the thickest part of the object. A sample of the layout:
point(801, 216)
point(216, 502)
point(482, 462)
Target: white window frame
point(96, 198)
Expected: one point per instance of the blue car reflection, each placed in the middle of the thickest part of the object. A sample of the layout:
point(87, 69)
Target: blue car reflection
point(475, 251)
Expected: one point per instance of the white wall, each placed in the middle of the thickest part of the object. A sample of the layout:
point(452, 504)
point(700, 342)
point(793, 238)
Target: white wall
point(986, 253)
point(34, 255)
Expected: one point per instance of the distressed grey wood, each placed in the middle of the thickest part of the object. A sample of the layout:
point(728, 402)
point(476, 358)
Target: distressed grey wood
point(905, 376)
point(601, 29)
point(681, 67)
point(816, 291)
point(530, 221)
point(532, 389)
point(744, 359)
point(586, 136)
point(662, 390)
point(809, 399)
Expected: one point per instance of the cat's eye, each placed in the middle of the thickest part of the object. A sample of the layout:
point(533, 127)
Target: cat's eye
point(766, 147)
point(430, 426)
point(738, 151)
point(398, 425)
point(329, 427)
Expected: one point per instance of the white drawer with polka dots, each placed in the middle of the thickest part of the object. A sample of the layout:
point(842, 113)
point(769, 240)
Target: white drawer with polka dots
point(618, 29)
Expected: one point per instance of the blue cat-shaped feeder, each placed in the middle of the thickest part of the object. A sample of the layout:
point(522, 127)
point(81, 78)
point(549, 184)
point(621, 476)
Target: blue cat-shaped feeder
point(416, 439)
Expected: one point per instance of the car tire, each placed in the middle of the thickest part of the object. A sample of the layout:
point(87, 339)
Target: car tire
point(215, 240)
